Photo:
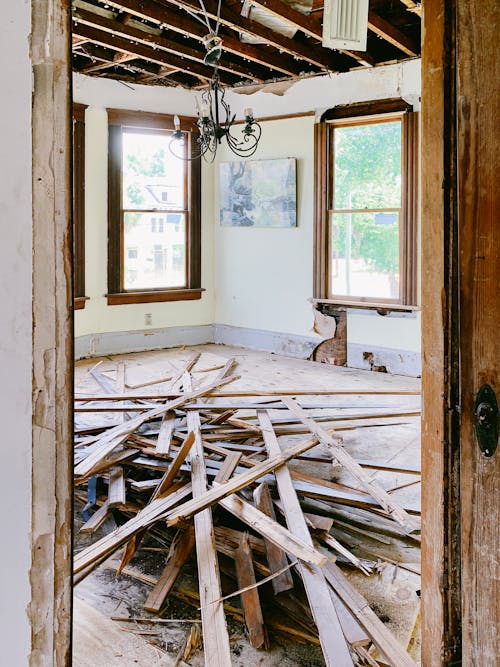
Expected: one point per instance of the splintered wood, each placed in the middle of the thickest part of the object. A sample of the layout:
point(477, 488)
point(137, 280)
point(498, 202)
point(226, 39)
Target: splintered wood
point(207, 472)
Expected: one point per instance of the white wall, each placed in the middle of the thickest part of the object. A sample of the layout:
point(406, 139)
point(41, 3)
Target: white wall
point(98, 317)
point(264, 277)
point(15, 331)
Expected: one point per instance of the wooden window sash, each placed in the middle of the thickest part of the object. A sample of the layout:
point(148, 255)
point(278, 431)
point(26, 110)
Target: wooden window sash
point(136, 121)
point(323, 157)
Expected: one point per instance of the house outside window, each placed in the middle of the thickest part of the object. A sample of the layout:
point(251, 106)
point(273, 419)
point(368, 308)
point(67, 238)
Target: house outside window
point(147, 185)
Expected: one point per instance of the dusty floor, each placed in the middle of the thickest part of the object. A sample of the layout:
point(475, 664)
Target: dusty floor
point(392, 591)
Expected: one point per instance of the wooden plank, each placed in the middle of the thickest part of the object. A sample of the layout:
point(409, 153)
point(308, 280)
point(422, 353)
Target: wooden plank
point(333, 643)
point(180, 550)
point(97, 519)
point(380, 635)
point(109, 543)
point(235, 483)
point(215, 636)
point(478, 257)
point(116, 487)
point(272, 530)
point(276, 393)
point(165, 433)
point(168, 478)
point(391, 34)
point(186, 368)
point(276, 557)
point(346, 460)
point(228, 467)
point(249, 598)
point(115, 436)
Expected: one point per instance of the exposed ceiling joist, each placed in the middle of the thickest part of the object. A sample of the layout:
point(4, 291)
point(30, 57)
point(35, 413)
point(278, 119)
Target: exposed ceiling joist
point(391, 34)
point(309, 25)
point(147, 52)
point(129, 31)
point(315, 55)
point(169, 17)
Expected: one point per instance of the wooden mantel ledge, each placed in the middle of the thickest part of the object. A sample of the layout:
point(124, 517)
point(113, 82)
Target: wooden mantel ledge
point(342, 304)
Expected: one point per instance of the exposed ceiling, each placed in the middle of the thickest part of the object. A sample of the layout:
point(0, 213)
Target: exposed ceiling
point(159, 42)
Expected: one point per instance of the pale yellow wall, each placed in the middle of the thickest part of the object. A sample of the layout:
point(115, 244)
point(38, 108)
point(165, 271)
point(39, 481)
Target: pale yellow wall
point(98, 317)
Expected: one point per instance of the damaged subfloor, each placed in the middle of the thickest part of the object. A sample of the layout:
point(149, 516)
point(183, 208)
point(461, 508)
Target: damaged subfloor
point(110, 624)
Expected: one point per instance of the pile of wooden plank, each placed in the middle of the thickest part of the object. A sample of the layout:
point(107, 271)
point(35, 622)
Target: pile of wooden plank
point(206, 467)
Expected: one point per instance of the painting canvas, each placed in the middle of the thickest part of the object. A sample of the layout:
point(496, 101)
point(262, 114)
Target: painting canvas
point(258, 193)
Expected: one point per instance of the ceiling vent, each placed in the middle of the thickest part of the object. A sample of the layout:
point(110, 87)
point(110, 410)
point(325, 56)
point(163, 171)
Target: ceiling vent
point(345, 24)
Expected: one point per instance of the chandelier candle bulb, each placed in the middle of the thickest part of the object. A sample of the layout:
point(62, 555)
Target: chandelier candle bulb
point(177, 123)
point(248, 113)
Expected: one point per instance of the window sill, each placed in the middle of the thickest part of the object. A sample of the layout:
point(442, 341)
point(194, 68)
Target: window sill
point(383, 308)
point(153, 296)
point(79, 302)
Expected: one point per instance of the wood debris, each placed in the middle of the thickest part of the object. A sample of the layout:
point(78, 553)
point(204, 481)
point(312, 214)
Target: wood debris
point(209, 472)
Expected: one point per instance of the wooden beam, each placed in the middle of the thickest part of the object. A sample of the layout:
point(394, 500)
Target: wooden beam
point(215, 636)
point(391, 34)
point(346, 460)
point(180, 550)
point(116, 487)
point(165, 433)
point(313, 54)
point(167, 17)
point(239, 482)
point(276, 557)
point(135, 34)
point(333, 644)
point(308, 25)
point(250, 601)
point(147, 52)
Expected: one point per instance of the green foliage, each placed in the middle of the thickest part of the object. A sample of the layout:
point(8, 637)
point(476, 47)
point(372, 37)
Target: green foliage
point(368, 175)
point(134, 194)
point(146, 165)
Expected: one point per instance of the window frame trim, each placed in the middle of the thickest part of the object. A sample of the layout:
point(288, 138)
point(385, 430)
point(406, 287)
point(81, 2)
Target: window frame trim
point(361, 114)
point(118, 121)
point(78, 204)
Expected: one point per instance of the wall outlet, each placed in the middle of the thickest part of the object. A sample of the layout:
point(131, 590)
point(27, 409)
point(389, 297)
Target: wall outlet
point(148, 319)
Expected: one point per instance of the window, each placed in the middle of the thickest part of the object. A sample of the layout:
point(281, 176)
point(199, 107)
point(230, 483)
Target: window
point(366, 205)
point(79, 298)
point(147, 185)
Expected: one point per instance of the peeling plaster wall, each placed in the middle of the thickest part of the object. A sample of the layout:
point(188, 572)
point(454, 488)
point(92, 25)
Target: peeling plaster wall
point(15, 331)
point(98, 317)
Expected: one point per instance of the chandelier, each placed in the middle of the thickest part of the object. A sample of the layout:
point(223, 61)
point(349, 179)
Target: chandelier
point(215, 121)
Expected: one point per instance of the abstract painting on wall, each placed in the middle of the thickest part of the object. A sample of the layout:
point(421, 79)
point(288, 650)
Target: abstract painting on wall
point(258, 193)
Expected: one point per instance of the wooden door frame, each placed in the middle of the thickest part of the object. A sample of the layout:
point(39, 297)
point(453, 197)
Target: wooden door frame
point(50, 609)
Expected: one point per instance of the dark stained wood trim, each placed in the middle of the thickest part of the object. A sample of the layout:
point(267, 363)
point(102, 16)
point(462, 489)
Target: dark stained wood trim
point(322, 168)
point(114, 207)
point(79, 302)
point(153, 296)
point(78, 209)
point(410, 207)
point(119, 119)
point(371, 111)
point(372, 108)
point(148, 119)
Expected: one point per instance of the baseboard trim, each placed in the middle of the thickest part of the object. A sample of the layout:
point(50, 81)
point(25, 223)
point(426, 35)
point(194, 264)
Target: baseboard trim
point(289, 345)
point(121, 342)
point(396, 362)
